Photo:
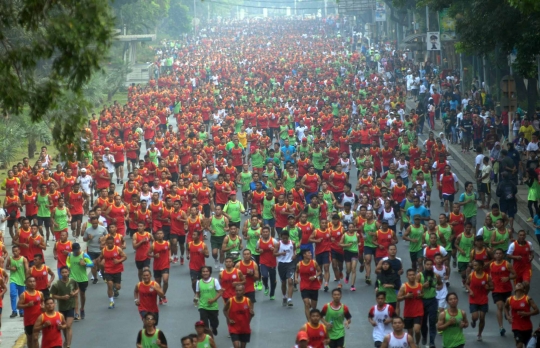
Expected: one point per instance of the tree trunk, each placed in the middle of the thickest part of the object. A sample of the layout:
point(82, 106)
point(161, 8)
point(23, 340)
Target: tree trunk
point(532, 98)
point(32, 146)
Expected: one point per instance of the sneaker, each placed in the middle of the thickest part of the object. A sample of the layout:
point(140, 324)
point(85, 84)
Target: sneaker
point(83, 314)
point(353, 288)
point(94, 281)
point(447, 284)
point(529, 219)
point(21, 314)
point(216, 264)
point(502, 331)
point(289, 303)
point(181, 261)
point(424, 341)
point(272, 298)
point(175, 259)
point(214, 331)
point(346, 281)
point(221, 269)
point(76, 317)
point(266, 292)
point(368, 281)
point(165, 301)
point(284, 303)
point(121, 182)
point(160, 302)
point(100, 274)
point(111, 305)
point(13, 315)
point(117, 181)
point(116, 293)
point(479, 338)
point(473, 324)
point(362, 267)
point(454, 264)
point(442, 204)
point(326, 287)
point(260, 286)
point(47, 243)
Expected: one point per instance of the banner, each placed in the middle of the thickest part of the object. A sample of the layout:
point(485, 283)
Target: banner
point(447, 26)
point(433, 41)
point(380, 11)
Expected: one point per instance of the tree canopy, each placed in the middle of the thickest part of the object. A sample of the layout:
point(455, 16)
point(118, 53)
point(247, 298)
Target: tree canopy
point(48, 51)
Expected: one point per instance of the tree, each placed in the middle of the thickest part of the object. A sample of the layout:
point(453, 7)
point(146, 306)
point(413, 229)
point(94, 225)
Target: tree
point(11, 135)
point(178, 20)
point(48, 49)
point(485, 25)
point(142, 16)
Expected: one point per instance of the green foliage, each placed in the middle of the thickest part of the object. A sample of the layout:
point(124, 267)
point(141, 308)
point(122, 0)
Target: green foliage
point(141, 16)
point(483, 25)
point(179, 19)
point(11, 139)
point(115, 77)
point(68, 37)
point(526, 6)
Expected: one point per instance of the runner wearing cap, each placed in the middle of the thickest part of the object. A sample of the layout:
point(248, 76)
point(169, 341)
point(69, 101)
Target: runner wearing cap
point(204, 337)
point(302, 340)
point(315, 330)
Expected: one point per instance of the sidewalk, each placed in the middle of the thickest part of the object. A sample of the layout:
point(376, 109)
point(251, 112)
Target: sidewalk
point(13, 329)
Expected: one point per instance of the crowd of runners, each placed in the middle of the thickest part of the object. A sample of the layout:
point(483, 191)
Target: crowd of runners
point(242, 152)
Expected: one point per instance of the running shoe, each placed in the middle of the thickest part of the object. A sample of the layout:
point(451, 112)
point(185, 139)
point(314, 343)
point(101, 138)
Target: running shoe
point(76, 317)
point(83, 314)
point(339, 285)
point(181, 261)
point(216, 264)
point(21, 314)
point(266, 292)
point(347, 279)
point(289, 303)
point(368, 281)
point(424, 341)
point(284, 303)
point(325, 287)
point(94, 281)
point(259, 286)
point(111, 305)
point(175, 259)
point(13, 315)
point(214, 331)
point(272, 298)
point(116, 293)
point(353, 288)
point(165, 301)
point(447, 284)
point(161, 302)
point(362, 267)
point(473, 324)
point(454, 264)
point(47, 243)
point(478, 337)
point(502, 331)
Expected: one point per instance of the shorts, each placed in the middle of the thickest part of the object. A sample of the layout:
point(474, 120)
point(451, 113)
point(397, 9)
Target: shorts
point(522, 336)
point(471, 219)
point(70, 313)
point(244, 338)
point(500, 296)
point(485, 188)
point(350, 255)
point(142, 264)
point(77, 217)
point(93, 255)
point(462, 266)
point(119, 164)
point(31, 218)
point(313, 295)
point(369, 250)
point(415, 255)
point(411, 321)
point(269, 222)
point(206, 210)
point(340, 342)
point(116, 278)
point(378, 344)
point(286, 270)
point(44, 221)
point(160, 273)
point(478, 308)
point(83, 286)
point(181, 239)
point(166, 232)
point(29, 330)
point(509, 208)
point(11, 223)
point(135, 161)
point(337, 256)
point(447, 197)
point(46, 293)
point(523, 276)
point(323, 258)
point(216, 242)
point(251, 296)
point(194, 275)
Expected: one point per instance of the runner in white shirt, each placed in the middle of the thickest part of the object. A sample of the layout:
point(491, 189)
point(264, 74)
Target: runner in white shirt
point(380, 317)
point(443, 272)
point(286, 267)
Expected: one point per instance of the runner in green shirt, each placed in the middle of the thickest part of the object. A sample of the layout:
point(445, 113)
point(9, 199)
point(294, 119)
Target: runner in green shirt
point(336, 317)
point(60, 217)
point(18, 267)
point(464, 245)
point(234, 209)
point(252, 233)
point(219, 225)
point(207, 292)
point(468, 201)
point(451, 323)
point(78, 262)
point(413, 235)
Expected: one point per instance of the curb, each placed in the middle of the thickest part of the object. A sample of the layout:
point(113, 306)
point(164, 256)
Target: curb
point(519, 218)
point(21, 341)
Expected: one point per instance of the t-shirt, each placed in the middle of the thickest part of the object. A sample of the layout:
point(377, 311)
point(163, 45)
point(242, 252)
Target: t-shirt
point(94, 246)
point(421, 210)
point(233, 209)
point(61, 289)
point(3, 215)
point(160, 336)
point(486, 170)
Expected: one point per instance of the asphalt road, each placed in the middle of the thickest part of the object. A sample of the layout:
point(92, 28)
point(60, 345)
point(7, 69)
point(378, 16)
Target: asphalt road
point(272, 326)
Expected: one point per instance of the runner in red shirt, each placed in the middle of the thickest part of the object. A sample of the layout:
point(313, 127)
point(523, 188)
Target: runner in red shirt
point(31, 302)
point(160, 250)
point(197, 253)
point(113, 258)
point(316, 331)
point(229, 278)
point(146, 293)
point(239, 312)
point(518, 310)
point(51, 324)
point(141, 244)
point(307, 275)
point(522, 254)
point(411, 292)
point(478, 285)
point(268, 263)
point(502, 273)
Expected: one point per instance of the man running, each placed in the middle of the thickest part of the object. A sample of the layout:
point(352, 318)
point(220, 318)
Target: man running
point(250, 270)
point(380, 317)
point(18, 267)
point(451, 323)
point(398, 338)
point(431, 282)
point(265, 247)
point(65, 291)
point(413, 234)
point(239, 312)
point(478, 284)
point(285, 255)
point(160, 251)
point(31, 301)
point(78, 262)
point(518, 310)
point(412, 293)
point(316, 331)
point(113, 258)
point(219, 226)
point(50, 323)
point(502, 273)
point(207, 292)
point(522, 254)
point(141, 243)
point(307, 275)
point(336, 317)
point(146, 296)
point(197, 252)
